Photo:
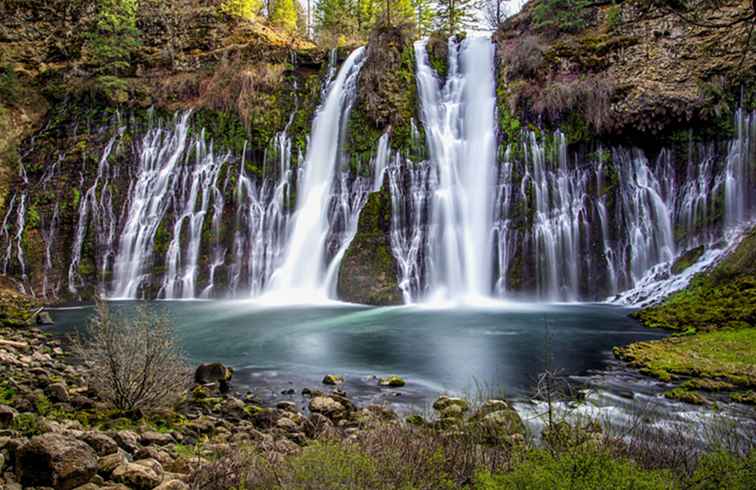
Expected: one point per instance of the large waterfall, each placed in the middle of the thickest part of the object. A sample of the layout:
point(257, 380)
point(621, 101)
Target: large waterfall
point(459, 121)
point(304, 274)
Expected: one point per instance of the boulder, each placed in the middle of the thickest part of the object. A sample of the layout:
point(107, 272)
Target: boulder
point(7, 414)
point(59, 392)
point(152, 438)
point(137, 475)
point(287, 424)
point(333, 379)
point(106, 464)
point(102, 444)
point(444, 402)
point(392, 381)
point(213, 373)
point(127, 440)
point(54, 460)
point(44, 318)
point(172, 485)
point(504, 423)
point(491, 406)
point(326, 406)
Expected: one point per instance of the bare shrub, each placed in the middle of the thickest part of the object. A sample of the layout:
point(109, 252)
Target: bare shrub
point(133, 363)
point(523, 57)
point(238, 87)
point(588, 96)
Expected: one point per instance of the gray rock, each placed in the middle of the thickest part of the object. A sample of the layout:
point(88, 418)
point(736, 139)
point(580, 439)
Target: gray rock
point(333, 379)
point(326, 406)
point(53, 460)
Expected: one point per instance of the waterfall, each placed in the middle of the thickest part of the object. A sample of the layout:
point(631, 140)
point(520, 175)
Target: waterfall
point(160, 153)
point(459, 120)
point(102, 218)
point(196, 185)
point(738, 180)
point(304, 272)
point(14, 238)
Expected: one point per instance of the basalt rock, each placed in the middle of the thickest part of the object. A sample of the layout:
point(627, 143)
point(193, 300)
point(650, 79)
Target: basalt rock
point(56, 461)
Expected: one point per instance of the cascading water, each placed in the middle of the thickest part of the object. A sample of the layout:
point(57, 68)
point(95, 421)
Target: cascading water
point(459, 121)
point(160, 153)
point(197, 185)
point(304, 273)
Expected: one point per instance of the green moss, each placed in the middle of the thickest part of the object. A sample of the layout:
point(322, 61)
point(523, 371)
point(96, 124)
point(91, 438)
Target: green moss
point(27, 424)
point(747, 397)
point(687, 259)
point(684, 395)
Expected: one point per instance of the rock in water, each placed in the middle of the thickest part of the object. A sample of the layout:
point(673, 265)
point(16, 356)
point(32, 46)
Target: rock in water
point(392, 381)
point(333, 379)
point(54, 460)
point(213, 373)
point(44, 318)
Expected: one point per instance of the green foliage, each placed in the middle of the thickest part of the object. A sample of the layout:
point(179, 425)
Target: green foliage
point(425, 16)
point(27, 424)
point(112, 43)
point(725, 296)
point(455, 16)
point(283, 14)
point(333, 466)
point(9, 85)
point(561, 15)
point(7, 393)
point(575, 470)
point(336, 20)
point(614, 16)
point(723, 470)
point(246, 9)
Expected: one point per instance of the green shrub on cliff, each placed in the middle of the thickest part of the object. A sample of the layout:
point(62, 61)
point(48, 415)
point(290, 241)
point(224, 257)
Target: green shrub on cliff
point(246, 9)
point(283, 14)
point(561, 15)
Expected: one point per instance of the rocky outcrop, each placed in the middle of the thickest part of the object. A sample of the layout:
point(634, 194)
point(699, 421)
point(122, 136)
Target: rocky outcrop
point(626, 70)
point(55, 460)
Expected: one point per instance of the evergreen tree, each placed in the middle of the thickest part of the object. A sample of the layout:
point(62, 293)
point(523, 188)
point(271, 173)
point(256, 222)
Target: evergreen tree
point(396, 12)
point(455, 16)
point(283, 14)
point(425, 16)
point(336, 19)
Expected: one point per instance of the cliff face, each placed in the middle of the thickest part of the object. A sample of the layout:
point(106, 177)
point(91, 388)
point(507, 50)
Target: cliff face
point(628, 70)
point(620, 76)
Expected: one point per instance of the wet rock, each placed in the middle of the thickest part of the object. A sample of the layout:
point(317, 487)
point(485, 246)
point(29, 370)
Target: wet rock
point(44, 318)
point(290, 391)
point(287, 406)
point(333, 379)
point(287, 424)
point(415, 420)
point(101, 443)
point(59, 392)
point(444, 402)
point(54, 460)
point(214, 373)
point(392, 381)
point(7, 414)
point(504, 423)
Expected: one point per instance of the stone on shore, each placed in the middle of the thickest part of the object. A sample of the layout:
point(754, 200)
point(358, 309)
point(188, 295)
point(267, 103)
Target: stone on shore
point(54, 460)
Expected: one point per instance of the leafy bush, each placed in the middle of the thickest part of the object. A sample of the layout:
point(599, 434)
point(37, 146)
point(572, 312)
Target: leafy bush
point(721, 469)
point(133, 363)
point(9, 85)
point(576, 470)
point(562, 15)
point(246, 9)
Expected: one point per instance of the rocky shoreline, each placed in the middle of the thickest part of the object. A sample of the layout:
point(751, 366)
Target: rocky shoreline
point(56, 432)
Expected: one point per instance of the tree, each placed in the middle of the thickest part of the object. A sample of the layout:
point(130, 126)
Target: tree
point(283, 14)
point(425, 16)
point(336, 19)
point(246, 9)
point(455, 16)
point(395, 12)
point(495, 12)
point(132, 363)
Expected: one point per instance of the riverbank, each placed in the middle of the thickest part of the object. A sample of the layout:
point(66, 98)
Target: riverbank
point(712, 355)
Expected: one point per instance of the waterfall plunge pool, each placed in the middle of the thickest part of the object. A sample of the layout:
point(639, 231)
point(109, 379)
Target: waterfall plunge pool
point(496, 351)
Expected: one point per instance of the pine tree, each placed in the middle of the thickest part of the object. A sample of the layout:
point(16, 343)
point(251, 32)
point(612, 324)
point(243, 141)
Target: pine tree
point(425, 16)
point(336, 19)
point(396, 12)
point(283, 14)
point(455, 16)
